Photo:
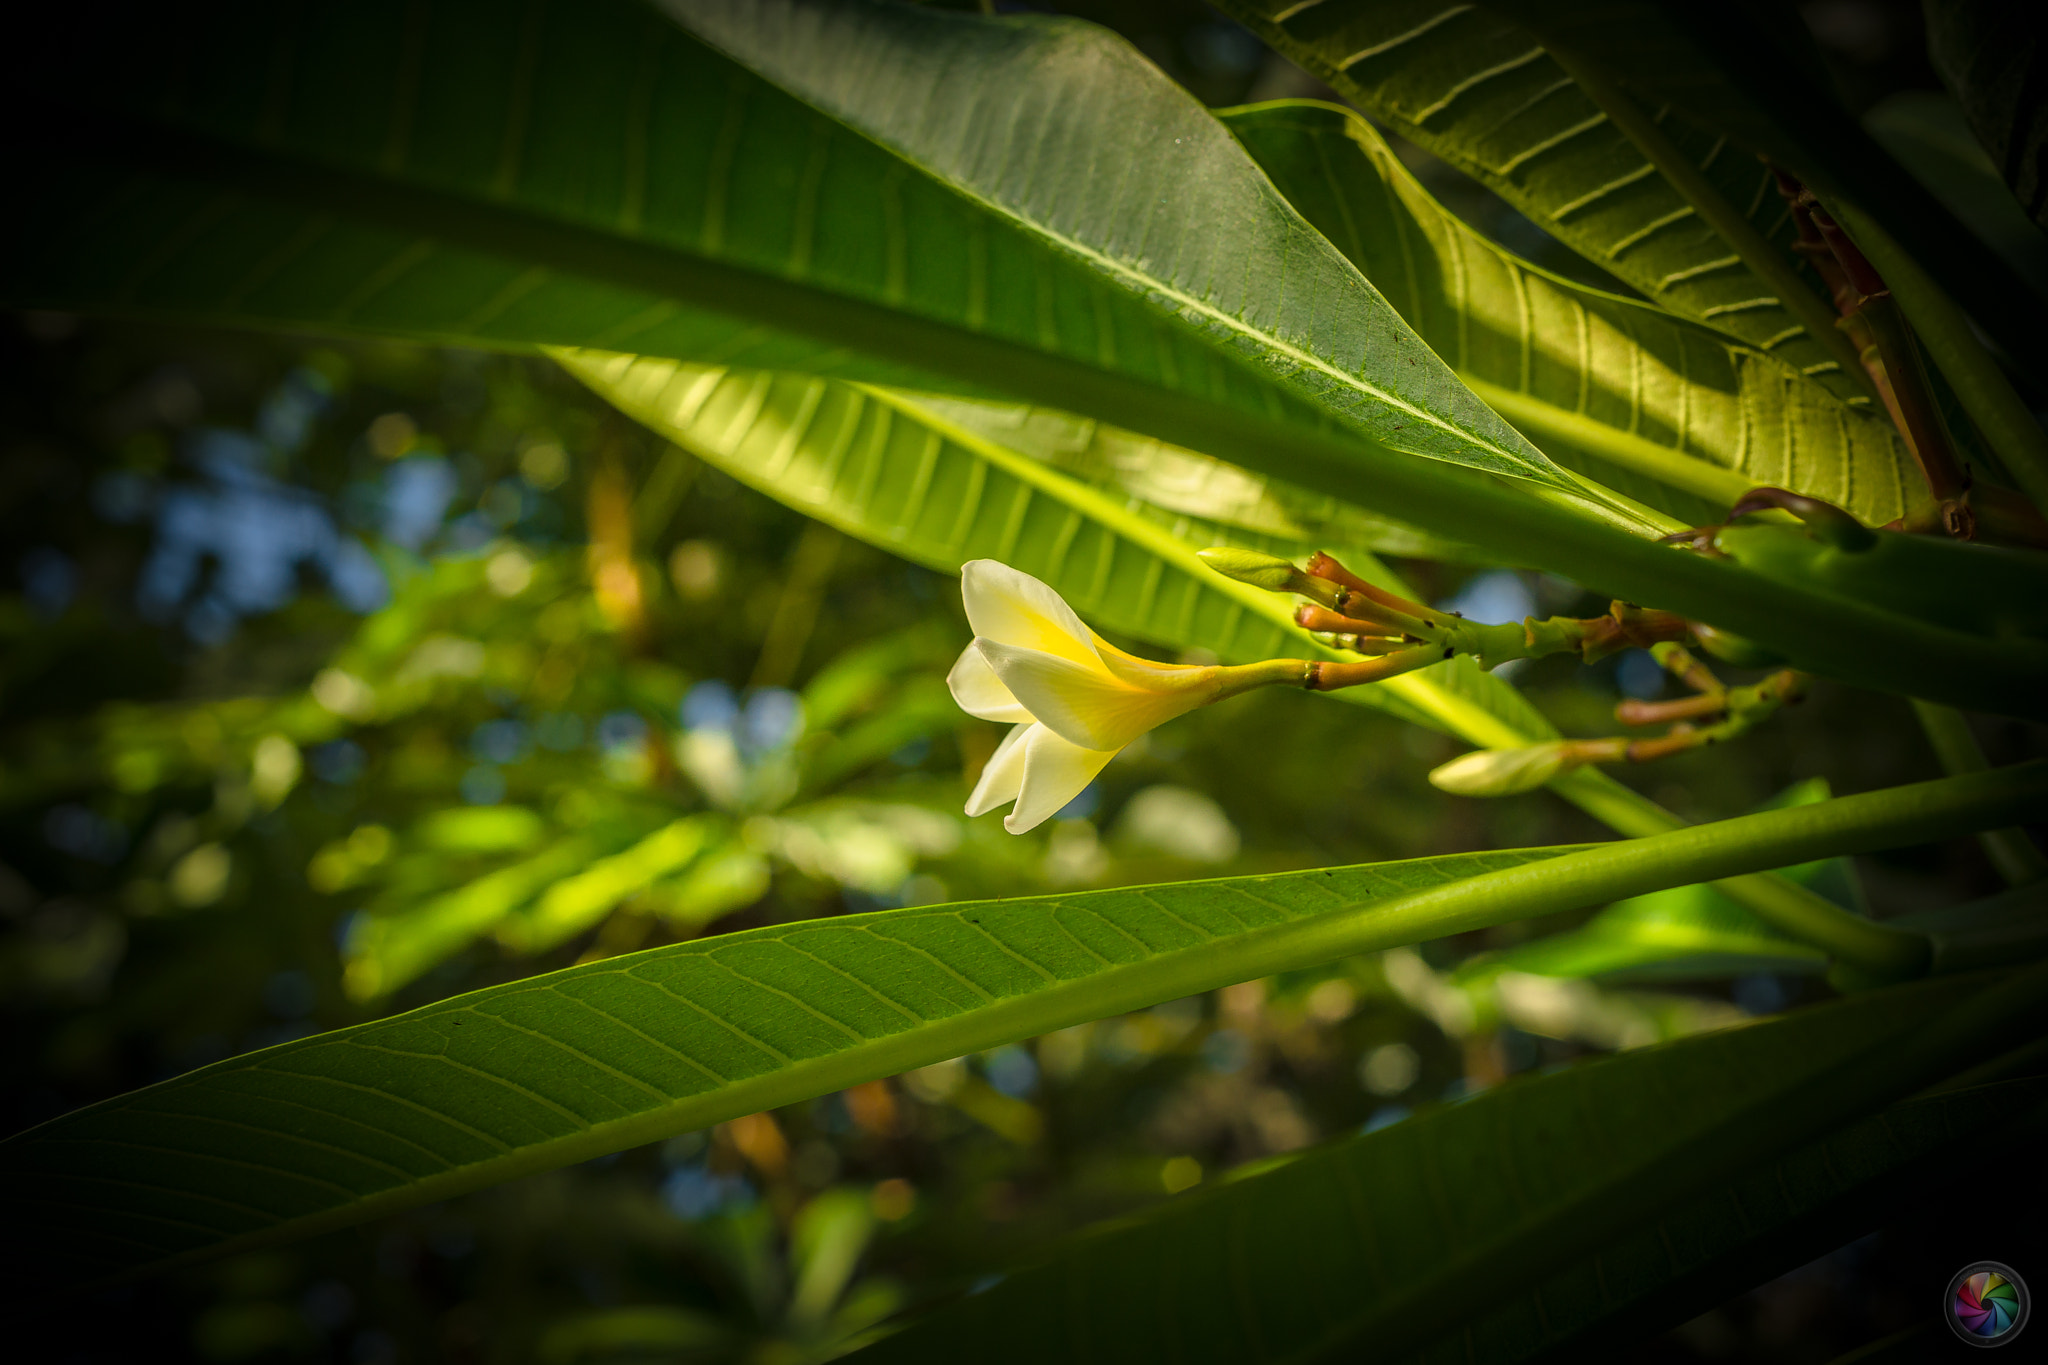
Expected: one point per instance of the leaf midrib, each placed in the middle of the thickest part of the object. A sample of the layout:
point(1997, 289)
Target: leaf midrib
point(1930, 660)
point(1118, 989)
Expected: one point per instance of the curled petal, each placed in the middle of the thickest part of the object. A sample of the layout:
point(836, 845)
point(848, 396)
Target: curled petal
point(1002, 777)
point(1089, 707)
point(980, 692)
point(1017, 609)
point(1055, 772)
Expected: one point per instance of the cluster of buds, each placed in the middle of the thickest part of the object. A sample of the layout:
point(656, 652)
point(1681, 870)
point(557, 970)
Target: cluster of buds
point(1395, 635)
point(1713, 713)
point(1345, 612)
point(1074, 701)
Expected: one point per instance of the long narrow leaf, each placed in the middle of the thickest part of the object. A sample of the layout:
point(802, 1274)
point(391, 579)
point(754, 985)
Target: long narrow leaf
point(350, 187)
point(1756, 77)
point(334, 1129)
point(313, 175)
point(882, 466)
point(1288, 1264)
point(1070, 132)
point(1184, 484)
point(331, 1130)
point(1669, 410)
point(1477, 88)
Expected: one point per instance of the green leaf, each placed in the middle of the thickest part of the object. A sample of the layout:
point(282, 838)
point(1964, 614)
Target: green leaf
point(1477, 89)
point(1668, 411)
point(1175, 484)
point(334, 1129)
point(1755, 75)
point(888, 468)
point(1164, 203)
point(1304, 1261)
point(331, 1130)
point(385, 951)
point(513, 192)
point(528, 193)
point(1930, 136)
point(1476, 86)
point(1684, 932)
point(579, 902)
point(1992, 57)
point(1679, 934)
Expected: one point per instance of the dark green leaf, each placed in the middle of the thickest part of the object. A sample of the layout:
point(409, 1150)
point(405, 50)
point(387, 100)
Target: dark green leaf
point(1993, 56)
point(334, 1129)
point(558, 1068)
point(524, 191)
point(1669, 411)
point(1751, 72)
point(1927, 132)
point(1297, 1263)
point(1476, 88)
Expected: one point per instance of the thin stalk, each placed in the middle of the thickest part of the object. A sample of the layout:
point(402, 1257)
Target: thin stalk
point(1783, 904)
point(1979, 384)
point(2016, 856)
point(1767, 262)
point(1789, 907)
point(1919, 417)
point(1633, 712)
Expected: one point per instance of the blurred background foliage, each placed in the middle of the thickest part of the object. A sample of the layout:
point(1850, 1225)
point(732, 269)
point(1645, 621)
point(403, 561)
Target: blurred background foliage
point(338, 677)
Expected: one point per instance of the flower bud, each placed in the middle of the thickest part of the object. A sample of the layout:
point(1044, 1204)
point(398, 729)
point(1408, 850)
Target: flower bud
point(1734, 649)
point(1249, 566)
point(1501, 772)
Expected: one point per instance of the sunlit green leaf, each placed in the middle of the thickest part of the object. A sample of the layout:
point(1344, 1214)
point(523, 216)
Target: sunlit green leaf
point(385, 951)
point(1475, 85)
point(344, 1126)
point(889, 469)
point(577, 902)
point(528, 193)
point(1176, 212)
point(1669, 411)
point(478, 829)
point(1679, 934)
point(1477, 89)
point(1183, 484)
point(542, 1072)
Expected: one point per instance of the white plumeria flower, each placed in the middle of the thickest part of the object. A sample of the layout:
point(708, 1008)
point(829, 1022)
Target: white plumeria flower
point(1073, 698)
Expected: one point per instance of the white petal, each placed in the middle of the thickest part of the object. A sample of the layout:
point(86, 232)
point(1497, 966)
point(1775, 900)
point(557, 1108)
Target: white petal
point(1017, 609)
point(1055, 772)
point(980, 692)
point(1002, 777)
point(1087, 707)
